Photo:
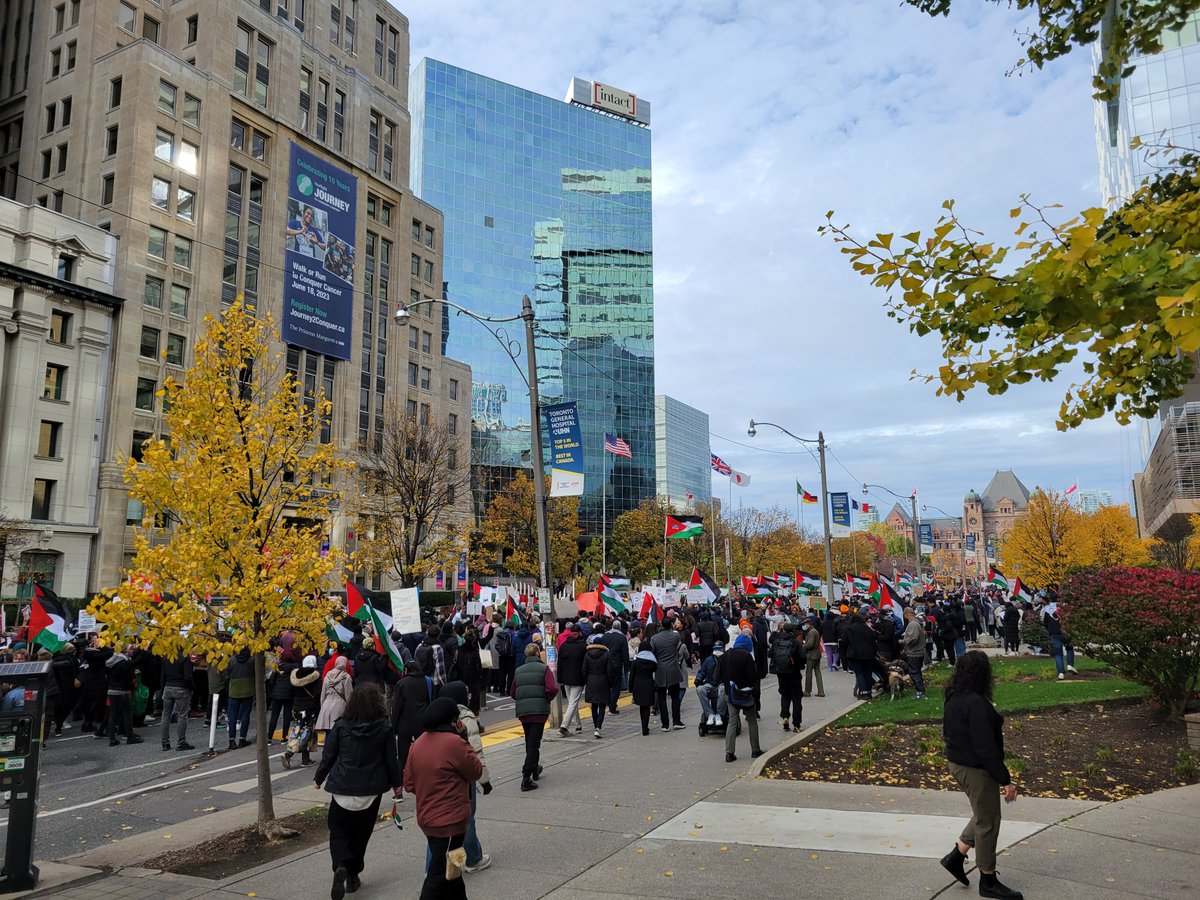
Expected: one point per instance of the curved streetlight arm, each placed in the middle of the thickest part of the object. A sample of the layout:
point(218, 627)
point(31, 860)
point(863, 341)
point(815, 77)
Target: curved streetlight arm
point(511, 346)
point(753, 430)
point(402, 309)
point(916, 517)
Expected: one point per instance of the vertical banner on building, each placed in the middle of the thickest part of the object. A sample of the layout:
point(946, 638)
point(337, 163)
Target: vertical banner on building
point(461, 575)
point(926, 538)
point(566, 449)
point(319, 255)
point(970, 543)
point(991, 551)
point(441, 578)
point(839, 513)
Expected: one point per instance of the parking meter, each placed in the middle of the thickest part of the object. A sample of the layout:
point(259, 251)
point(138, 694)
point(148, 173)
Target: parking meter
point(20, 757)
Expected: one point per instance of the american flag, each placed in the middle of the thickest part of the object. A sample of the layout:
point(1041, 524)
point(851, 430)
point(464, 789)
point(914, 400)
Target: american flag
point(616, 445)
point(720, 466)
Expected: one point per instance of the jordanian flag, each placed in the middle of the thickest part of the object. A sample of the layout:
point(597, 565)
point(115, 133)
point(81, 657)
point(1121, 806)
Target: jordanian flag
point(684, 526)
point(48, 620)
point(1020, 592)
point(701, 582)
point(361, 604)
point(996, 578)
point(614, 602)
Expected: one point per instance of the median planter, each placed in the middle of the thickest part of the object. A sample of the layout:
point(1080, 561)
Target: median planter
point(1192, 720)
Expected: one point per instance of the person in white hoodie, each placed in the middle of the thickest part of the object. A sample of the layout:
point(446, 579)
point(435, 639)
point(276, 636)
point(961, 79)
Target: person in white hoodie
point(477, 860)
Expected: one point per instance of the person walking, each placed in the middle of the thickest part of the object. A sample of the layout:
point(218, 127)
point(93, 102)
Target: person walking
point(1012, 628)
point(618, 645)
point(973, 732)
point(669, 677)
point(357, 765)
point(279, 693)
point(912, 645)
point(642, 685)
point(533, 689)
point(1059, 642)
point(64, 672)
point(829, 634)
point(739, 674)
point(783, 659)
point(241, 697)
point(440, 769)
point(93, 684)
point(336, 690)
point(306, 702)
point(812, 656)
point(411, 697)
point(477, 860)
point(599, 668)
point(177, 700)
point(121, 677)
point(860, 655)
point(570, 676)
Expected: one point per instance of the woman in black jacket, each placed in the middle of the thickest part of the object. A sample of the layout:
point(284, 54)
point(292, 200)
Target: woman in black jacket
point(279, 692)
point(641, 685)
point(306, 701)
point(860, 655)
point(975, 752)
point(597, 680)
point(359, 763)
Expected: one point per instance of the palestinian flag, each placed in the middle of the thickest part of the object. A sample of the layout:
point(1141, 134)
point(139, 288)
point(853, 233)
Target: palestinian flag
point(651, 611)
point(859, 583)
point(363, 605)
point(1021, 593)
point(684, 526)
point(612, 599)
point(48, 620)
point(808, 584)
point(701, 582)
point(485, 595)
point(342, 630)
point(512, 612)
point(996, 578)
point(887, 597)
point(905, 581)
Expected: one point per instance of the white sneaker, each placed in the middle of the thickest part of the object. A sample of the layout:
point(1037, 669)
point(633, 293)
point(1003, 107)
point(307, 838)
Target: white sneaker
point(597, 733)
point(711, 720)
point(1071, 669)
point(718, 721)
point(484, 862)
point(1061, 676)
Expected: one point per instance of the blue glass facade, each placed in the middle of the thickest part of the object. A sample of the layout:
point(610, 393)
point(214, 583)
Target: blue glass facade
point(684, 455)
point(550, 200)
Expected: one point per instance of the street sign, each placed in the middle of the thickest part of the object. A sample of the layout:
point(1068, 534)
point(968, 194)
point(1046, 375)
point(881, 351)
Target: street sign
point(545, 603)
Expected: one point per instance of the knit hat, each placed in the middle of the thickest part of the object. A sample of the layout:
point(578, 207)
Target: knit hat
point(442, 711)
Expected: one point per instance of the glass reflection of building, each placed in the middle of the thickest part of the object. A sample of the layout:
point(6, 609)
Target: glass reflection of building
point(550, 199)
point(684, 456)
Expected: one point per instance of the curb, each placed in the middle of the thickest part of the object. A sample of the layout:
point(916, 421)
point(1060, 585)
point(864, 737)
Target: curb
point(798, 740)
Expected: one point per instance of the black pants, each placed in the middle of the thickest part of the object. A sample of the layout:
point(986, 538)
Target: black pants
point(1012, 642)
point(508, 668)
point(676, 699)
point(914, 672)
point(645, 713)
point(791, 696)
point(63, 704)
point(349, 833)
point(475, 696)
point(949, 643)
point(533, 754)
point(436, 887)
point(91, 707)
point(598, 711)
point(277, 707)
point(120, 716)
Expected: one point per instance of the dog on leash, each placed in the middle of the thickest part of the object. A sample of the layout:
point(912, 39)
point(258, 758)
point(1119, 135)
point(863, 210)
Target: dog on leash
point(898, 679)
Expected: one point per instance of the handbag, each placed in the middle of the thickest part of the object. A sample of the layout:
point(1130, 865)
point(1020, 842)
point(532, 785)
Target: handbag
point(485, 658)
point(741, 697)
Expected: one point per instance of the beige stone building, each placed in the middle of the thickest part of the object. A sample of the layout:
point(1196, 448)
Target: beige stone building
point(171, 123)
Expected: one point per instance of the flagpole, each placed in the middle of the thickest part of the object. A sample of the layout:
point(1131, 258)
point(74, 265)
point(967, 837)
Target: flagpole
point(666, 513)
point(712, 515)
point(604, 516)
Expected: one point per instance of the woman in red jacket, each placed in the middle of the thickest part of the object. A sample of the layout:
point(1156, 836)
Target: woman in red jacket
point(440, 769)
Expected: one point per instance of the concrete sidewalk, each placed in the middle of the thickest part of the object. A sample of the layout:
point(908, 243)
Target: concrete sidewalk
point(664, 816)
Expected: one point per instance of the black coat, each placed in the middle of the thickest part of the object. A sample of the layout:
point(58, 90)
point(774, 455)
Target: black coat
point(372, 668)
point(597, 674)
point(280, 685)
point(783, 653)
point(62, 670)
point(707, 632)
point(618, 646)
point(829, 629)
point(92, 676)
point(359, 759)
point(570, 661)
point(641, 681)
point(470, 667)
point(306, 690)
point(409, 699)
point(860, 641)
point(974, 737)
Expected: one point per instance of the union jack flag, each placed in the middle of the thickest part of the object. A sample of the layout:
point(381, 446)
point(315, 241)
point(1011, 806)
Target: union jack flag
point(616, 445)
point(720, 466)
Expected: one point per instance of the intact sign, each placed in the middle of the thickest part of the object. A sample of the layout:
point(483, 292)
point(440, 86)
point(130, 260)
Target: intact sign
point(615, 100)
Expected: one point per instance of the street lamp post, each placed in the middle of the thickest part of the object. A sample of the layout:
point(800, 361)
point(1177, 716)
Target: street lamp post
point(535, 418)
point(916, 517)
point(962, 538)
point(820, 442)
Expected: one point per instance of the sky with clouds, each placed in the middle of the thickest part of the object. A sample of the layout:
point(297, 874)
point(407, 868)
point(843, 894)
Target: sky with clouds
point(765, 116)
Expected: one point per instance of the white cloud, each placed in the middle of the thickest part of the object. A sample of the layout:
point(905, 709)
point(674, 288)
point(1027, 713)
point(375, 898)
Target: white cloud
point(766, 116)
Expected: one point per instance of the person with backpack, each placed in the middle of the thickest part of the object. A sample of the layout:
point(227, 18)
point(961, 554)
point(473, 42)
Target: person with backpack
point(413, 693)
point(783, 663)
point(707, 635)
point(431, 655)
point(739, 674)
point(812, 656)
point(504, 656)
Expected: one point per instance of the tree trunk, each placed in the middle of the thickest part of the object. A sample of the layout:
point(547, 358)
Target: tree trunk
point(267, 825)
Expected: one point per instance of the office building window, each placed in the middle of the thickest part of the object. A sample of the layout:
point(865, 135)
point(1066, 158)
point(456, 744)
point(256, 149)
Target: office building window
point(322, 108)
point(425, 376)
point(424, 419)
point(428, 237)
point(389, 144)
point(299, 19)
point(375, 123)
point(453, 388)
point(392, 55)
point(380, 36)
point(188, 159)
point(152, 293)
point(66, 111)
point(108, 185)
point(414, 337)
point(160, 193)
point(191, 110)
point(192, 30)
point(183, 252)
point(167, 96)
point(164, 145)
point(339, 118)
point(185, 204)
point(150, 29)
point(179, 300)
point(416, 231)
point(410, 408)
point(146, 389)
point(262, 70)
point(349, 26)
point(258, 145)
point(305, 97)
point(385, 213)
point(175, 345)
point(412, 374)
point(429, 271)
point(426, 342)
point(43, 500)
point(62, 159)
point(237, 134)
point(51, 117)
point(137, 446)
point(55, 63)
point(60, 327)
point(241, 60)
point(110, 140)
point(414, 266)
point(114, 93)
point(148, 348)
point(66, 267)
point(156, 243)
point(452, 423)
point(55, 383)
point(48, 438)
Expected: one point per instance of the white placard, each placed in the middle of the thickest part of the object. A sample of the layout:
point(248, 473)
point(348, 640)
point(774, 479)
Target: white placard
point(87, 622)
point(545, 602)
point(474, 608)
point(406, 610)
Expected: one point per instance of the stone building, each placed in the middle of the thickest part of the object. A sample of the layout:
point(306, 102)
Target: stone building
point(195, 130)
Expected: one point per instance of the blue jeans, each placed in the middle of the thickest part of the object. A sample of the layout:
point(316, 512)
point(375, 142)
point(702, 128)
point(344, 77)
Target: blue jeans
point(960, 647)
point(712, 700)
point(914, 671)
point(1057, 645)
point(238, 716)
point(470, 842)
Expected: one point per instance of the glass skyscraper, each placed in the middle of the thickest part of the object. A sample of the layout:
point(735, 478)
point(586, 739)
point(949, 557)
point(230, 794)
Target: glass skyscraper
point(550, 199)
point(684, 454)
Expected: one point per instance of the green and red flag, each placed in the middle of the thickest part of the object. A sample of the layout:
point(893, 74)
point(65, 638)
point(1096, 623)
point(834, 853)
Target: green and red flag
point(679, 527)
point(363, 605)
point(807, 583)
point(614, 602)
point(996, 578)
point(48, 620)
point(1020, 592)
point(701, 582)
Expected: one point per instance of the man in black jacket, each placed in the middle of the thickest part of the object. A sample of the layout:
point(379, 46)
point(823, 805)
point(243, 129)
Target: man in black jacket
point(570, 677)
point(93, 683)
point(121, 676)
point(618, 648)
point(739, 673)
point(177, 700)
point(707, 634)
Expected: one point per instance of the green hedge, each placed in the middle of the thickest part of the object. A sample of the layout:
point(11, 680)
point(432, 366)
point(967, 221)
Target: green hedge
point(438, 598)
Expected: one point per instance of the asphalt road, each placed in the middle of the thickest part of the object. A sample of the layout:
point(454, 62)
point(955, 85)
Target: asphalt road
point(91, 793)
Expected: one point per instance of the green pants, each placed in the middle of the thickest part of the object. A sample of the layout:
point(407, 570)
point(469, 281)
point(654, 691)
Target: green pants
point(983, 791)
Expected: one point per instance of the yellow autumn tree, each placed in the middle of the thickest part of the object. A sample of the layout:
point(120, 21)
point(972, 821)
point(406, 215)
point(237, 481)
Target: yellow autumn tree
point(510, 526)
point(237, 497)
point(1039, 546)
point(1109, 537)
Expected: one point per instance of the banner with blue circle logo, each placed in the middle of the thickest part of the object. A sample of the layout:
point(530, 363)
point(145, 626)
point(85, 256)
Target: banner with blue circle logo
point(319, 255)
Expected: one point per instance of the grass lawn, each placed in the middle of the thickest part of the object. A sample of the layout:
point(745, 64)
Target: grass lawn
point(1022, 683)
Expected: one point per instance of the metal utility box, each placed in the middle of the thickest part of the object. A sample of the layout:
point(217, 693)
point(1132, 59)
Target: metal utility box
point(20, 758)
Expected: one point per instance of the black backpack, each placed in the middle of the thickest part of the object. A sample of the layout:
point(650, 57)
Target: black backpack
point(781, 655)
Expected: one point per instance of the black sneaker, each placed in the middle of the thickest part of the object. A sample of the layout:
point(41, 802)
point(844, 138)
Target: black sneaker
point(528, 784)
point(353, 883)
point(538, 773)
point(166, 745)
point(185, 746)
point(729, 757)
point(243, 743)
point(755, 754)
point(338, 891)
point(133, 739)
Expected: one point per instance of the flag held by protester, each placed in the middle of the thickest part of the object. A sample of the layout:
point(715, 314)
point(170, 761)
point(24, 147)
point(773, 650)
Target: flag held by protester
point(48, 620)
point(702, 583)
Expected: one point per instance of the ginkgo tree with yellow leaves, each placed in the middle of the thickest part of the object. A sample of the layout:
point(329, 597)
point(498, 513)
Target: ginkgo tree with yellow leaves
point(244, 490)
